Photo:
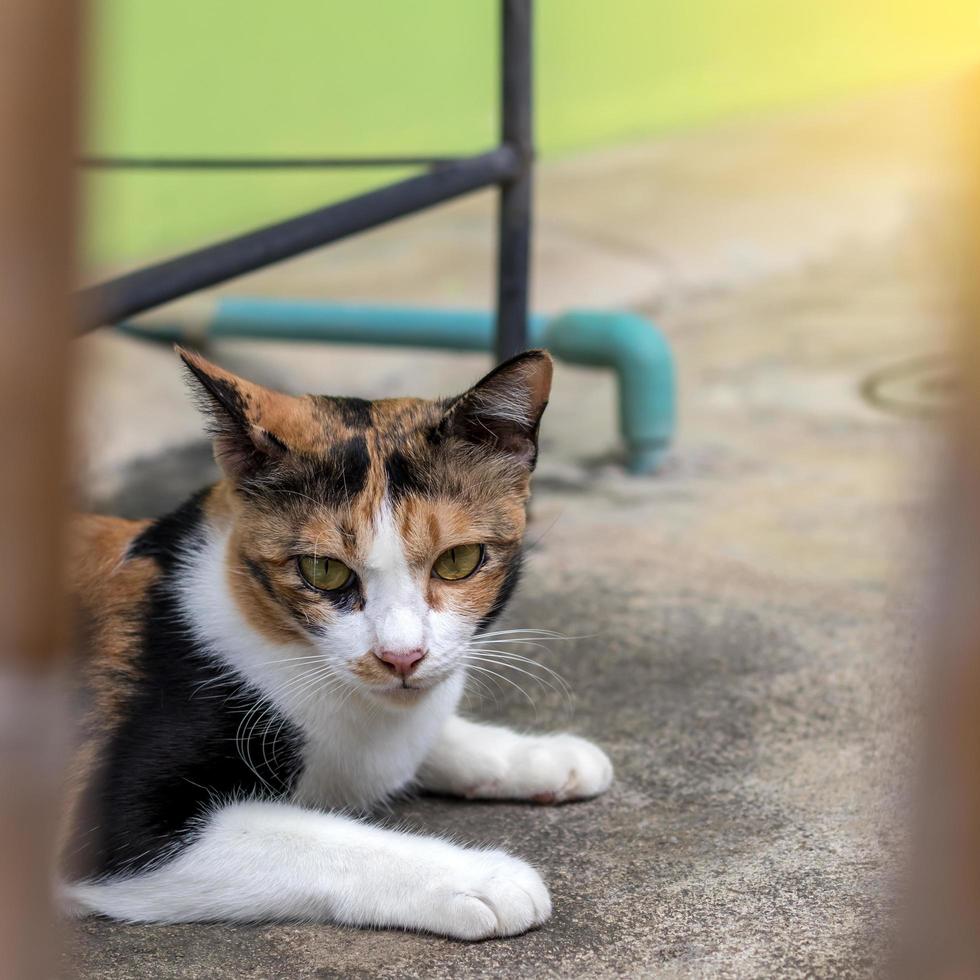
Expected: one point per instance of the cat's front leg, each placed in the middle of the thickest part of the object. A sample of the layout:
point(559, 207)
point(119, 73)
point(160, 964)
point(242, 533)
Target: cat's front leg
point(488, 762)
point(271, 861)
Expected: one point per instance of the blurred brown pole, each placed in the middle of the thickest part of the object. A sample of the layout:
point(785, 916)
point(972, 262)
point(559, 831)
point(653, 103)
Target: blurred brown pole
point(39, 88)
point(941, 937)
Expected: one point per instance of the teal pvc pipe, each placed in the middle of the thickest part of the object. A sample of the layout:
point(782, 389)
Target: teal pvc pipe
point(641, 357)
point(305, 320)
point(628, 344)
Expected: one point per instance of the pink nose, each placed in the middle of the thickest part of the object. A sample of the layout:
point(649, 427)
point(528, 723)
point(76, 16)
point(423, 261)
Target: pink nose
point(403, 662)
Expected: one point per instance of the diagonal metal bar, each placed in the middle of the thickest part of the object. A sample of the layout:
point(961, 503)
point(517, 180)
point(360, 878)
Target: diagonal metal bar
point(146, 288)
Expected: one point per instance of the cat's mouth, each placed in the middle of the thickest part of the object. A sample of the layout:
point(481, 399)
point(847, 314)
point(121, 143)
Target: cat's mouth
point(403, 693)
point(408, 689)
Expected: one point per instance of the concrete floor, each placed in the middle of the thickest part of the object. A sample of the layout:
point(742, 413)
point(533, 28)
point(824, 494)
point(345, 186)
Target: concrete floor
point(747, 636)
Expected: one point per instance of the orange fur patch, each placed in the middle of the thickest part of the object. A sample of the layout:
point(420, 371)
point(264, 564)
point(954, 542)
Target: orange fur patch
point(109, 592)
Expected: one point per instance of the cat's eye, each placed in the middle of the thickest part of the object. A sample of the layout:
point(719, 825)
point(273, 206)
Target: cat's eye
point(325, 574)
point(459, 562)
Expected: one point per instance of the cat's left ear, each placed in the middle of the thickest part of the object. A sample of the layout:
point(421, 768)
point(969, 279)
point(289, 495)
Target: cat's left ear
point(502, 411)
point(241, 417)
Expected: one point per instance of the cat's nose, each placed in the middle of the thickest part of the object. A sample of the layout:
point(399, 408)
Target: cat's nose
point(403, 662)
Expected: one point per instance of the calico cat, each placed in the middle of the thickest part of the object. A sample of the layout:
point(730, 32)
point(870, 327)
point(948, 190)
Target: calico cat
point(288, 648)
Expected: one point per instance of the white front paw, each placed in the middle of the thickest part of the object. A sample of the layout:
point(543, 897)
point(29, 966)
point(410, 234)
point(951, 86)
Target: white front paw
point(489, 894)
point(545, 769)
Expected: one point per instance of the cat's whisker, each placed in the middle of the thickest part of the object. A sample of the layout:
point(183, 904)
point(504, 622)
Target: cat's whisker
point(263, 707)
point(210, 682)
point(242, 743)
point(540, 640)
point(494, 679)
point(243, 736)
point(508, 655)
point(299, 683)
point(523, 629)
point(531, 545)
point(484, 688)
point(314, 687)
point(268, 756)
point(312, 690)
point(291, 660)
point(506, 680)
point(543, 681)
point(536, 632)
point(504, 645)
point(557, 685)
point(347, 697)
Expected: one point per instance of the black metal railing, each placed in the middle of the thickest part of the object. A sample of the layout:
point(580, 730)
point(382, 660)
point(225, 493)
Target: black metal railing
point(508, 166)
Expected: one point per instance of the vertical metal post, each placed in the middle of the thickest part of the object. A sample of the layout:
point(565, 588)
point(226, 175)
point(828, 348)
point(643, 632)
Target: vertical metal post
point(514, 207)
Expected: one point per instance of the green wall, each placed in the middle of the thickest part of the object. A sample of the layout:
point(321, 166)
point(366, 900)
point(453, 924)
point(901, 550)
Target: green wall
point(397, 76)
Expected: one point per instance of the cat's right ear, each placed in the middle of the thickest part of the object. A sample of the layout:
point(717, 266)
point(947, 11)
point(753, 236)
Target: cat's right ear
point(502, 411)
point(238, 413)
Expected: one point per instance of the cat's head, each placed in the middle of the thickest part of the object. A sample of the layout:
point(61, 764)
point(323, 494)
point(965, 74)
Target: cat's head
point(383, 534)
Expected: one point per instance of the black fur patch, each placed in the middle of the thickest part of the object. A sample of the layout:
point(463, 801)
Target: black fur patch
point(165, 538)
point(346, 468)
point(354, 412)
point(258, 573)
point(189, 736)
point(226, 409)
point(335, 479)
point(405, 476)
point(275, 440)
point(511, 579)
point(226, 395)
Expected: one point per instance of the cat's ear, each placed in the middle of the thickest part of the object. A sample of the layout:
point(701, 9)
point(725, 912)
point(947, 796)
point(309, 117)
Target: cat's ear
point(503, 410)
point(238, 413)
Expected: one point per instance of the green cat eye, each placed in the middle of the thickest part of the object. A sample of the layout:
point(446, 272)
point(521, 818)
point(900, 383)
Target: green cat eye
point(459, 562)
point(325, 574)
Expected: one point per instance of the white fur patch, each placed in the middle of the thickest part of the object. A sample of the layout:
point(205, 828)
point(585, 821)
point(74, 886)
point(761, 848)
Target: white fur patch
point(355, 754)
point(511, 404)
point(395, 602)
point(489, 762)
point(260, 861)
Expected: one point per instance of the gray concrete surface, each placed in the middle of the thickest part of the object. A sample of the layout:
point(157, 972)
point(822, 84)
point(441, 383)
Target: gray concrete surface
point(747, 620)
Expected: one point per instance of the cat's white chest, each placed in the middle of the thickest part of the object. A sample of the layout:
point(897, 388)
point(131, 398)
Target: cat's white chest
point(356, 754)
